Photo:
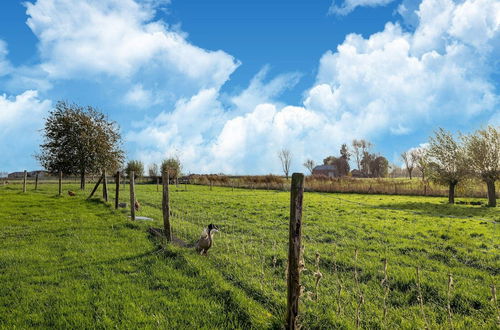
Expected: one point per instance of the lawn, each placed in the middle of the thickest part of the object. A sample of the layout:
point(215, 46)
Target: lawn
point(68, 262)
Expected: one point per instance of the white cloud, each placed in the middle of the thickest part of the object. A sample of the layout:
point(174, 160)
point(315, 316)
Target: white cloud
point(5, 66)
point(139, 97)
point(347, 6)
point(20, 119)
point(118, 38)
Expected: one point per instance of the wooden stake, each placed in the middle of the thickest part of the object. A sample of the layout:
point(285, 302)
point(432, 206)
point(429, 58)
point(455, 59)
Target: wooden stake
point(24, 181)
point(60, 183)
point(105, 186)
point(95, 187)
point(36, 181)
point(294, 250)
point(117, 188)
point(157, 182)
point(132, 196)
point(166, 207)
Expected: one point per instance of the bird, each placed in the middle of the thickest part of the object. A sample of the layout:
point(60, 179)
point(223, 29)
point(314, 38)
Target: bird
point(137, 206)
point(71, 193)
point(206, 239)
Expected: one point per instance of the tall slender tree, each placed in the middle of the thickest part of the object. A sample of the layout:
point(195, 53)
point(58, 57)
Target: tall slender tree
point(285, 157)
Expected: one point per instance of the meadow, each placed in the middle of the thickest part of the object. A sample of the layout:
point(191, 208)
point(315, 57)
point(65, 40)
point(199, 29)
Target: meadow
point(71, 262)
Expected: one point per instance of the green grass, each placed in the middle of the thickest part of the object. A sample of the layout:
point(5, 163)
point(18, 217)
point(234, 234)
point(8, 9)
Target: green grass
point(67, 262)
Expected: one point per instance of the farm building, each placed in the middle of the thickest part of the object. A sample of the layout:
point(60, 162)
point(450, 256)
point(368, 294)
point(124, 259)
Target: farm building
point(19, 175)
point(326, 170)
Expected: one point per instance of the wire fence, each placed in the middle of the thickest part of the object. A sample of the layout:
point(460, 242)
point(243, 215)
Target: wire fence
point(363, 264)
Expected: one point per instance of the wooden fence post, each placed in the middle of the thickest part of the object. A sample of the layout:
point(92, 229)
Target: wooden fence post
point(157, 182)
point(132, 196)
point(166, 207)
point(60, 183)
point(294, 250)
point(24, 180)
point(36, 181)
point(117, 186)
point(104, 186)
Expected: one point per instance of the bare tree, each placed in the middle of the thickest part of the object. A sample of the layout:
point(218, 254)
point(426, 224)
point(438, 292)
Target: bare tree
point(285, 157)
point(309, 164)
point(410, 160)
point(153, 170)
point(448, 161)
point(483, 157)
point(422, 161)
point(360, 148)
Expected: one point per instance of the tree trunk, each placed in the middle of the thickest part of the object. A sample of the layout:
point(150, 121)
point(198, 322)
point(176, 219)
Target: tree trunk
point(409, 172)
point(492, 198)
point(451, 193)
point(82, 180)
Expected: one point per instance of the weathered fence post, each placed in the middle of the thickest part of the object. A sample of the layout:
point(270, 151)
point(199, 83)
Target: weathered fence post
point(117, 188)
point(60, 183)
point(105, 186)
point(24, 180)
point(157, 182)
point(166, 207)
point(294, 250)
point(36, 181)
point(132, 196)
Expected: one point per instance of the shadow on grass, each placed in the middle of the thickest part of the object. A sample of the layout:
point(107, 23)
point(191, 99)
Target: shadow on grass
point(438, 210)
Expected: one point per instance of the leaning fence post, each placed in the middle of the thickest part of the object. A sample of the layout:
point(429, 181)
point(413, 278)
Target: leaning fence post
point(24, 181)
point(36, 181)
point(166, 207)
point(117, 186)
point(132, 196)
point(60, 183)
point(294, 250)
point(105, 187)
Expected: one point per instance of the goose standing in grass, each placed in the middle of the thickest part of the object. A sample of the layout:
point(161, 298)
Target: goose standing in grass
point(206, 239)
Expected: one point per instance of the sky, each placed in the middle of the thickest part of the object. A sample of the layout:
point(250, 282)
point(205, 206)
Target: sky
point(225, 84)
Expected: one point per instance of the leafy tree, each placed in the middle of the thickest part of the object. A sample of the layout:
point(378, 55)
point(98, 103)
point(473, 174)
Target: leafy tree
point(379, 167)
point(366, 162)
point(344, 152)
point(483, 157)
point(173, 166)
point(153, 170)
point(309, 164)
point(422, 162)
point(448, 161)
point(79, 140)
point(340, 163)
point(285, 157)
point(135, 166)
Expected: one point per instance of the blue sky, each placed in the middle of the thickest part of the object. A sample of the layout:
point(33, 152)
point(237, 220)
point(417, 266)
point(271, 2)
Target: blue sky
point(225, 84)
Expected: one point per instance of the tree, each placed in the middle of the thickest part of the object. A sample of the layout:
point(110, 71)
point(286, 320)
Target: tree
point(410, 159)
point(448, 162)
point(285, 157)
point(422, 162)
point(344, 152)
point(135, 166)
point(309, 164)
point(483, 157)
point(379, 167)
point(173, 166)
point(79, 140)
point(153, 170)
point(360, 148)
point(368, 158)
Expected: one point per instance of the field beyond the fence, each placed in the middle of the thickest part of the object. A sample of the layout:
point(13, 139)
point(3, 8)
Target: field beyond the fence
point(68, 262)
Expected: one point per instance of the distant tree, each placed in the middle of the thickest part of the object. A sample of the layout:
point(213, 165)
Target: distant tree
point(344, 152)
point(153, 170)
point(366, 161)
point(173, 166)
point(330, 160)
point(379, 167)
point(360, 148)
point(483, 156)
point(285, 157)
point(410, 160)
point(137, 167)
point(309, 164)
point(79, 140)
point(448, 161)
point(422, 162)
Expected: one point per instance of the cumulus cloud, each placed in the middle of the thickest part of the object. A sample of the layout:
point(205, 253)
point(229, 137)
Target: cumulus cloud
point(20, 118)
point(119, 38)
point(347, 6)
point(5, 66)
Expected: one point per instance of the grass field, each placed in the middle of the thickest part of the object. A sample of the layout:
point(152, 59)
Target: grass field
point(68, 262)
